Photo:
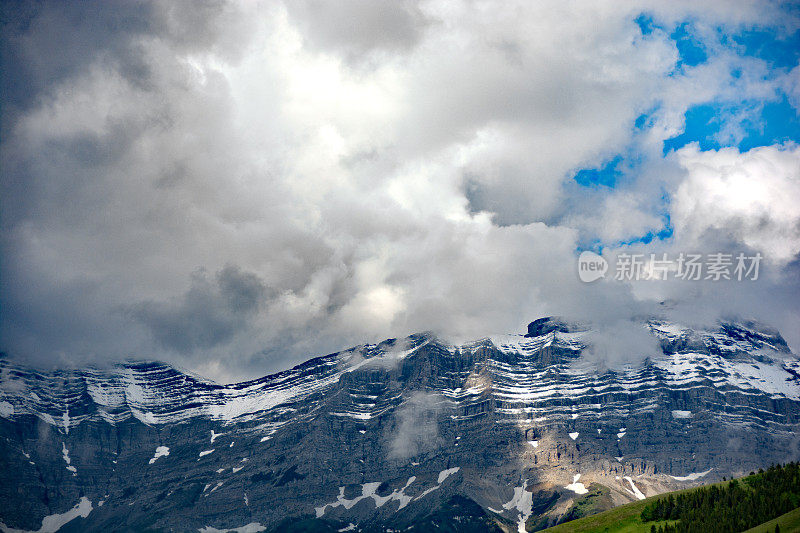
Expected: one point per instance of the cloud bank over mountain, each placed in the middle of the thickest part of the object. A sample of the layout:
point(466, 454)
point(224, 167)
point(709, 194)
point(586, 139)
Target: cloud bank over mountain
point(236, 186)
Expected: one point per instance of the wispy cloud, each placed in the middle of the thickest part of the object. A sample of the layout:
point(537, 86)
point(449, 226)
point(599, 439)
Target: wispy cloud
point(416, 428)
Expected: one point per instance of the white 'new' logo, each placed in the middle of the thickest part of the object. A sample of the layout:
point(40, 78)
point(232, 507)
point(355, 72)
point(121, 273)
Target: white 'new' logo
point(591, 266)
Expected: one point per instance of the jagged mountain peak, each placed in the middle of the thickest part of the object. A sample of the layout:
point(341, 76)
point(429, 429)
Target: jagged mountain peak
point(545, 325)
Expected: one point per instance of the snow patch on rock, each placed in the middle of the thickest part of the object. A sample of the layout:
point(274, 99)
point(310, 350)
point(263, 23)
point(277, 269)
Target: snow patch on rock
point(444, 474)
point(54, 522)
point(576, 486)
point(161, 451)
point(65, 456)
point(368, 491)
point(692, 476)
point(252, 527)
point(522, 502)
point(634, 489)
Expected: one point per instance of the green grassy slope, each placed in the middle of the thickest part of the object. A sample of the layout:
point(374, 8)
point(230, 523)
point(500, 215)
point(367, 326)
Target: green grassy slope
point(623, 519)
point(627, 518)
point(789, 523)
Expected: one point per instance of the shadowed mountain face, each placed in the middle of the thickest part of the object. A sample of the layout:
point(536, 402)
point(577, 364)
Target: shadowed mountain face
point(504, 433)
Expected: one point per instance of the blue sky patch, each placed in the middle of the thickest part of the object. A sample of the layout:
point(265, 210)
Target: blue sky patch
point(702, 125)
point(597, 245)
point(690, 50)
point(662, 234)
point(775, 123)
point(606, 175)
point(779, 123)
point(778, 52)
point(646, 23)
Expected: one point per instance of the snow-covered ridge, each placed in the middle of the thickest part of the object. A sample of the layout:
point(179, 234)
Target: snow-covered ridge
point(158, 393)
point(152, 392)
point(526, 377)
point(543, 380)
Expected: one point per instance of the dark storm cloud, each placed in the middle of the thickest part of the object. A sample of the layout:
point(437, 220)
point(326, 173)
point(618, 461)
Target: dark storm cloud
point(44, 43)
point(210, 313)
point(70, 202)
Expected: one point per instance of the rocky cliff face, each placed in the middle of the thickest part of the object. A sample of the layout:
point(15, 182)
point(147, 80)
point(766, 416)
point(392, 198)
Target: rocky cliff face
point(503, 433)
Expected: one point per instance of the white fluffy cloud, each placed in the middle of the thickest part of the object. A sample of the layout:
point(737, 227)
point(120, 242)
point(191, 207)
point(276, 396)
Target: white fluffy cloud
point(752, 197)
point(258, 182)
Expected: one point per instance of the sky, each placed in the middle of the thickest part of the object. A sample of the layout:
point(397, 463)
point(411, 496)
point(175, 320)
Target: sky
point(235, 187)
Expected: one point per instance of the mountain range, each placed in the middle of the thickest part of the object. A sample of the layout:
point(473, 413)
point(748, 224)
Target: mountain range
point(504, 433)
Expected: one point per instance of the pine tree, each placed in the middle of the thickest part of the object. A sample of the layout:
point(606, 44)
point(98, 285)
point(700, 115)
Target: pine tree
point(735, 506)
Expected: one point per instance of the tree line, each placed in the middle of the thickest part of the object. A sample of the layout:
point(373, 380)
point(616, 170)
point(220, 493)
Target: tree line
point(732, 507)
